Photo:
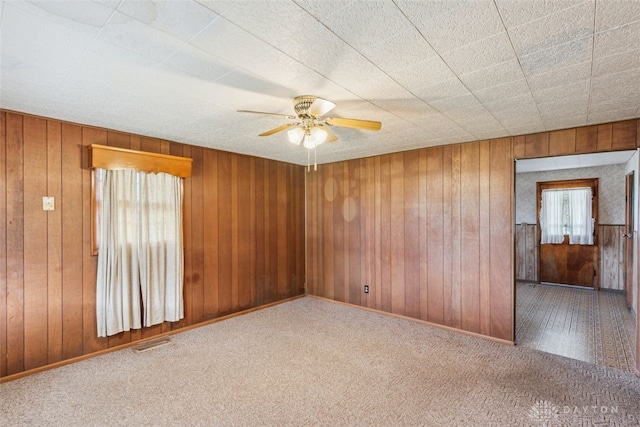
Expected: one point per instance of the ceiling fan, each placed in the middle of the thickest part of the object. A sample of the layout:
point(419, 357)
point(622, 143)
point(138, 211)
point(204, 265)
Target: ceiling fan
point(310, 128)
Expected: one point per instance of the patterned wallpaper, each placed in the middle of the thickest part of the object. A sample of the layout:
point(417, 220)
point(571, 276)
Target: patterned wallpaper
point(610, 185)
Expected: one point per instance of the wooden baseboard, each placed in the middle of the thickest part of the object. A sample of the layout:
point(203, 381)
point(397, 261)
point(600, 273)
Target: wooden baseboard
point(136, 343)
point(424, 322)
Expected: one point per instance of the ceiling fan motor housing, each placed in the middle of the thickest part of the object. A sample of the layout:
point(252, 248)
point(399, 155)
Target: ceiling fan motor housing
point(302, 103)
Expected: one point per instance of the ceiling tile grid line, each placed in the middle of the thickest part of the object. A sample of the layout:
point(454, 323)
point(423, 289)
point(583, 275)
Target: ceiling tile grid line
point(432, 72)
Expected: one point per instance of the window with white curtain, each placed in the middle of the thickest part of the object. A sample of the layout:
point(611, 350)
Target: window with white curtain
point(140, 258)
point(567, 212)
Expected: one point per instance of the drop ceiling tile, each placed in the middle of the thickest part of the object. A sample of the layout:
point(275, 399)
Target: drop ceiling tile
point(422, 74)
point(512, 104)
point(613, 115)
point(134, 36)
point(480, 55)
point(552, 30)
point(454, 103)
point(495, 75)
point(449, 25)
point(612, 14)
point(447, 89)
point(182, 20)
point(323, 9)
point(616, 63)
point(407, 107)
point(198, 63)
point(617, 40)
point(519, 12)
point(364, 23)
point(526, 129)
point(577, 90)
point(504, 91)
point(555, 122)
point(493, 134)
point(557, 57)
point(399, 53)
point(560, 76)
point(82, 17)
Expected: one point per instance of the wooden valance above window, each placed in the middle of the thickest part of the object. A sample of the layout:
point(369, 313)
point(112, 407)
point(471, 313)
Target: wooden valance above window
point(112, 158)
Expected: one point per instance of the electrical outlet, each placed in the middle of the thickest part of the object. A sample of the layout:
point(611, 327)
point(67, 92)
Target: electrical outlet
point(48, 203)
point(366, 289)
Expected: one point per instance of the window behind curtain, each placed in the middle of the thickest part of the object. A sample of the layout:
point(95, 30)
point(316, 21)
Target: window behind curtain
point(567, 212)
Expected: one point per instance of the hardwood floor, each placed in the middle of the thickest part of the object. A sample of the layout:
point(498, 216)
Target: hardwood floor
point(578, 323)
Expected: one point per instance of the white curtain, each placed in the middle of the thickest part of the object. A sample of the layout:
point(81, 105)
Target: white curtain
point(581, 223)
point(140, 258)
point(551, 217)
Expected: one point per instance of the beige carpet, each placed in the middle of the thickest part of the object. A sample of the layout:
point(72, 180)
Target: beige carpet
point(311, 362)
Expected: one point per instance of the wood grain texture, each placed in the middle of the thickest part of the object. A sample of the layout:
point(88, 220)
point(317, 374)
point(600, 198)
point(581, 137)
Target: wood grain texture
point(526, 247)
point(562, 142)
point(427, 209)
point(605, 135)
point(3, 244)
point(47, 271)
point(586, 139)
point(623, 135)
point(537, 145)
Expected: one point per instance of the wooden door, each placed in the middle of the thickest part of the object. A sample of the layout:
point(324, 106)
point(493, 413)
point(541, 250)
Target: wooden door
point(628, 241)
point(564, 263)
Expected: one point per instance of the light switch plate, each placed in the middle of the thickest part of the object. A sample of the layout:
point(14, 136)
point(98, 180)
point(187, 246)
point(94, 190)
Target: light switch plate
point(48, 204)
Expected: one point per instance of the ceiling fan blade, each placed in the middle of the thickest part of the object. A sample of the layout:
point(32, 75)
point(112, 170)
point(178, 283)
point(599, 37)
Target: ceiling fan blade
point(286, 116)
point(353, 123)
point(320, 107)
point(278, 129)
point(331, 137)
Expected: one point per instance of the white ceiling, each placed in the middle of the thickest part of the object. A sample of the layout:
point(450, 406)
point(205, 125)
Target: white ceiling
point(433, 72)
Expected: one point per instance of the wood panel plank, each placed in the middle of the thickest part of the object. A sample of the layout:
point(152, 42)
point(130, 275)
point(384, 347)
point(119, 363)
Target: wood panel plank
point(519, 145)
point(562, 142)
point(274, 286)
point(3, 243)
point(436, 232)
point(623, 135)
point(197, 235)
point(456, 238)
point(261, 227)
point(501, 267)
point(244, 268)
point(485, 232)
point(470, 237)
point(368, 230)
point(423, 236)
point(212, 180)
point(531, 252)
point(118, 139)
point(225, 284)
point(282, 200)
point(537, 145)
point(605, 135)
point(377, 232)
point(345, 230)
point(35, 233)
point(353, 215)
point(447, 264)
point(338, 230)
point(385, 234)
point(176, 149)
point(188, 246)
point(91, 342)
point(15, 243)
point(71, 209)
point(412, 234)
point(398, 255)
point(233, 229)
point(587, 139)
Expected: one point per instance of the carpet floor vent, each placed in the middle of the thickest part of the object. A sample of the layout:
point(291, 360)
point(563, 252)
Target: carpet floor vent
point(152, 345)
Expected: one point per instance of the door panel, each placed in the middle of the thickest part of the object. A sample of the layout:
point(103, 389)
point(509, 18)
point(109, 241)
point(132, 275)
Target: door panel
point(564, 263)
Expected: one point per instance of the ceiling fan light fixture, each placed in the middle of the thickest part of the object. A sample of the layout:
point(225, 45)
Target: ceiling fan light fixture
point(295, 135)
point(318, 135)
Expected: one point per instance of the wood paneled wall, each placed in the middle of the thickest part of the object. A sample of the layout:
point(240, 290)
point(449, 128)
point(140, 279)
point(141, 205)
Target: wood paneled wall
point(244, 238)
point(429, 231)
point(610, 251)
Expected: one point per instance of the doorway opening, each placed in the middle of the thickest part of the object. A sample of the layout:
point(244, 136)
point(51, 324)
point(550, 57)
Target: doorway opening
point(576, 322)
